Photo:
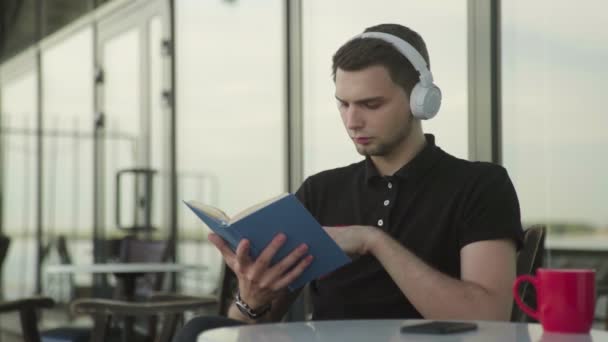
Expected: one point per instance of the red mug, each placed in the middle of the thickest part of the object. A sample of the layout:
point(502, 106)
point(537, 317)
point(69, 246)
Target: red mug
point(565, 299)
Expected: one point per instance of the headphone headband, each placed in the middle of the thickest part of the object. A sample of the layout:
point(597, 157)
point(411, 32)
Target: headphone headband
point(407, 50)
point(425, 96)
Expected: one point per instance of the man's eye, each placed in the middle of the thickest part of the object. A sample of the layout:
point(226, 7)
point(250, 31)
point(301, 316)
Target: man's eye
point(341, 104)
point(372, 105)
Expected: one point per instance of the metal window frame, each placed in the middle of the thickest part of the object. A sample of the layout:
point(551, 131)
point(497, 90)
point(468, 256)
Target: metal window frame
point(295, 124)
point(294, 103)
point(483, 60)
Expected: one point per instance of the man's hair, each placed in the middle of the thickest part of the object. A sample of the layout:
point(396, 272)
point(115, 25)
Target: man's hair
point(358, 54)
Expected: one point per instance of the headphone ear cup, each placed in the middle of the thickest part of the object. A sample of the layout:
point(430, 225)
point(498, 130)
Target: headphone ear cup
point(425, 101)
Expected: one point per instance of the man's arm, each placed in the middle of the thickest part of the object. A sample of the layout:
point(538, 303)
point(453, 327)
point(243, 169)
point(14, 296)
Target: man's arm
point(483, 292)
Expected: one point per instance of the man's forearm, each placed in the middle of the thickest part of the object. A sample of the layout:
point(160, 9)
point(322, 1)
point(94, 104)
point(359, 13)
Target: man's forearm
point(278, 310)
point(235, 313)
point(434, 294)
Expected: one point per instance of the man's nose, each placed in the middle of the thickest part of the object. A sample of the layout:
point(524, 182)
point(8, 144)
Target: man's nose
point(354, 120)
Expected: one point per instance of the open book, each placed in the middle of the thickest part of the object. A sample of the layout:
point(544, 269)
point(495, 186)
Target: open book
point(262, 222)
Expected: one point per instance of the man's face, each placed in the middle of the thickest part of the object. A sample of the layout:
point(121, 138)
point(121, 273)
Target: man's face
point(374, 110)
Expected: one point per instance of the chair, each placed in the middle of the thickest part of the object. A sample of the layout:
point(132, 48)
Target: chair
point(167, 306)
point(5, 242)
point(222, 297)
point(133, 249)
point(529, 258)
point(227, 290)
point(27, 308)
point(128, 249)
point(103, 310)
point(606, 314)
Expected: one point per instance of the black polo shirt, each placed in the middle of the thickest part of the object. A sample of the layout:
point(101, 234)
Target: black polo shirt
point(434, 205)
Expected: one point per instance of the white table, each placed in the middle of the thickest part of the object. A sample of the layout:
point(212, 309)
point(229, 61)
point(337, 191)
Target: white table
point(121, 268)
point(387, 331)
point(126, 272)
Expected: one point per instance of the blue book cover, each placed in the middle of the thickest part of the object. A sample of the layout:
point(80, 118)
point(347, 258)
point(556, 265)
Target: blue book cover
point(261, 223)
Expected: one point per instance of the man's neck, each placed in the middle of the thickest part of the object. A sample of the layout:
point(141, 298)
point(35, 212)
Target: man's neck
point(389, 164)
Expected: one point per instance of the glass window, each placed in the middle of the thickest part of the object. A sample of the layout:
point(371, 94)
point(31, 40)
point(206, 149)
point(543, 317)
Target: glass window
point(67, 99)
point(124, 142)
point(329, 24)
point(554, 119)
point(231, 108)
point(19, 108)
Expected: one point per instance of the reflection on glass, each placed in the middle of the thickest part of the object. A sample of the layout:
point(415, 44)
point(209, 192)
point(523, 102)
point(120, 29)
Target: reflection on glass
point(19, 112)
point(554, 117)
point(67, 102)
point(67, 70)
point(121, 103)
point(329, 24)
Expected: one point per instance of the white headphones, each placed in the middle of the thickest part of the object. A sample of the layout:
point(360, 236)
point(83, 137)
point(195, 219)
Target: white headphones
point(425, 98)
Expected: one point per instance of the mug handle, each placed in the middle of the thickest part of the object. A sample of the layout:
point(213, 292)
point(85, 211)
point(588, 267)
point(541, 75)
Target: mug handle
point(523, 306)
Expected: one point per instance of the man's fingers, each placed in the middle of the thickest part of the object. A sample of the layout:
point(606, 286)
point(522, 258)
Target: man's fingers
point(290, 260)
point(293, 273)
point(242, 253)
point(221, 245)
point(277, 271)
point(268, 253)
point(259, 268)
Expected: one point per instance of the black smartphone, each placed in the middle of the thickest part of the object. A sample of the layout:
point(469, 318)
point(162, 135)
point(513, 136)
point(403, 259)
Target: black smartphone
point(438, 327)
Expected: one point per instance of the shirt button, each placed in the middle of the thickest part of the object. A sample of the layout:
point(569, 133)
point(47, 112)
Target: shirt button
point(380, 223)
point(386, 202)
point(390, 185)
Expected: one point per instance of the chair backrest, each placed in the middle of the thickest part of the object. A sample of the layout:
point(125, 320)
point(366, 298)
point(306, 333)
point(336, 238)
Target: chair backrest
point(529, 258)
point(138, 250)
point(28, 314)
point(62, 249)
point(227, 289)
point(5, 242)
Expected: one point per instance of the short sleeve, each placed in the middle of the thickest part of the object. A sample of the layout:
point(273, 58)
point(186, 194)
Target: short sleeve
point(491, 209)
point(304, 194)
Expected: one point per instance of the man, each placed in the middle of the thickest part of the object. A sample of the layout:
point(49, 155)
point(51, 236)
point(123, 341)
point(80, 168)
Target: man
point(431, 235)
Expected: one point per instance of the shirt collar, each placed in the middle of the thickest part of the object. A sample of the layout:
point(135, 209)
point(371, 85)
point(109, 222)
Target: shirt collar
point(414, 168)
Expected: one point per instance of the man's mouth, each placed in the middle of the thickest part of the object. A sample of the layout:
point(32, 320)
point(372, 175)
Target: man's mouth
point(362, 140)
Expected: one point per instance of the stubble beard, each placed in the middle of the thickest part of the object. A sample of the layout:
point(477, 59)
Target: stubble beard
point(384, 148)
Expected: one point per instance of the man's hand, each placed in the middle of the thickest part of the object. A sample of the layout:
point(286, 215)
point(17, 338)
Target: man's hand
point(259, 282)
point(354, 240)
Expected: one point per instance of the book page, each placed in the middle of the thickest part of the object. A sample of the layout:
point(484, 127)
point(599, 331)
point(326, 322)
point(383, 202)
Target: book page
point(211, 211)
point(254, 208)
